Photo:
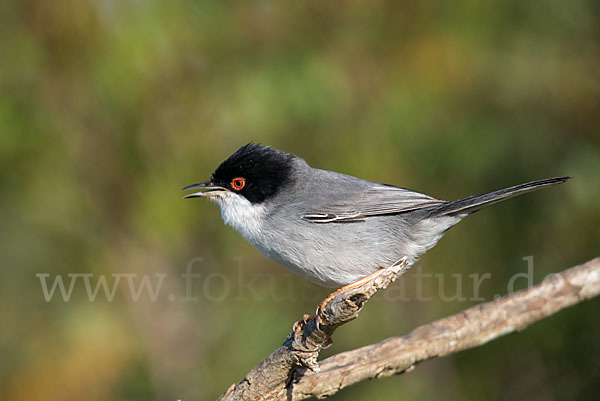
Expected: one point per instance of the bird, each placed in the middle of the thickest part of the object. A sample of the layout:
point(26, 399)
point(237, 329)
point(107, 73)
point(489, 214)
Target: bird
point(330, 228)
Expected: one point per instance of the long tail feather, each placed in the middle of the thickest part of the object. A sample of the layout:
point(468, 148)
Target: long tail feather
point(474, 203)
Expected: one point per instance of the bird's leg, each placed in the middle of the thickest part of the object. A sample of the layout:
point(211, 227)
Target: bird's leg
point(350, 286)
point(397, 268)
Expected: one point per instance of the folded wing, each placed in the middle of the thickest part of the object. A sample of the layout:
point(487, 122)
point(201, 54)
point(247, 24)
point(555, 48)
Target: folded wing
point(374, 201)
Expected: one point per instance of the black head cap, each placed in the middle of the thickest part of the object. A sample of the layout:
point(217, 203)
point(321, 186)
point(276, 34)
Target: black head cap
point(264, 171)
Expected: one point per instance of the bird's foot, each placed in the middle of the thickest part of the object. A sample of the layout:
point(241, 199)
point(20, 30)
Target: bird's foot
point(319, 314)
point(297, 326)
point(323, 305)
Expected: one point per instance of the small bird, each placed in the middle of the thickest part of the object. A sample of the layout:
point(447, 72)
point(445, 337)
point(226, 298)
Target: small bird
point(330, 228)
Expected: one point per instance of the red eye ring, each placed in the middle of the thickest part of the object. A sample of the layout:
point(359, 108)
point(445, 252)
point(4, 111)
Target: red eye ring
point(238, 183)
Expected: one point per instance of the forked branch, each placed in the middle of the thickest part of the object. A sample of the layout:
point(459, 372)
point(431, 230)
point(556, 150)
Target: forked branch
point(291, 372)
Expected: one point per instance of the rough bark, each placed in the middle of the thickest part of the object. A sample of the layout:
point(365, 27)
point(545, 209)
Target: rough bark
point(292, 373)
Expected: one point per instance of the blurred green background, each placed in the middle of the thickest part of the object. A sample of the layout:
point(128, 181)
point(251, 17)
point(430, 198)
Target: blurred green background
point(108, 108)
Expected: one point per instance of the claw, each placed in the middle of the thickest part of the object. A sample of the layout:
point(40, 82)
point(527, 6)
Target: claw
point(300, 323)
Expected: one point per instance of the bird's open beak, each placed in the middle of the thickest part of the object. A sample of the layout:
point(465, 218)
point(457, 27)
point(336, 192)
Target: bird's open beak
point(208, 189)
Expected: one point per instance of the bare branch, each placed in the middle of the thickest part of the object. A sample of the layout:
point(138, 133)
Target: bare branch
point(277, 378)
point(271, 379)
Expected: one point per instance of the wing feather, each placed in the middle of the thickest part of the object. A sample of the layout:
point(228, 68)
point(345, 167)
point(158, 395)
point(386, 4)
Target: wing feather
point(374, 201)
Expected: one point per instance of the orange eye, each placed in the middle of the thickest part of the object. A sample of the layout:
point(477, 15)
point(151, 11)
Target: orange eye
point(238, 183)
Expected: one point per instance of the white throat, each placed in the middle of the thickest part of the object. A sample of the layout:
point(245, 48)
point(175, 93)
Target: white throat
point(241, 214)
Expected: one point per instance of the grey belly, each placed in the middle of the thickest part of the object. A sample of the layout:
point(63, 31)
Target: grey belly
point(336, 254)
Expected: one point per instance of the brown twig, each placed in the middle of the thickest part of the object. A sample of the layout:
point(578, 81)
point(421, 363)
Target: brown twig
point(272, 378)
point(277, 378)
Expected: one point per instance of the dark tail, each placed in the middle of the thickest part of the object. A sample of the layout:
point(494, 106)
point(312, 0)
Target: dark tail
point(474, 203)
